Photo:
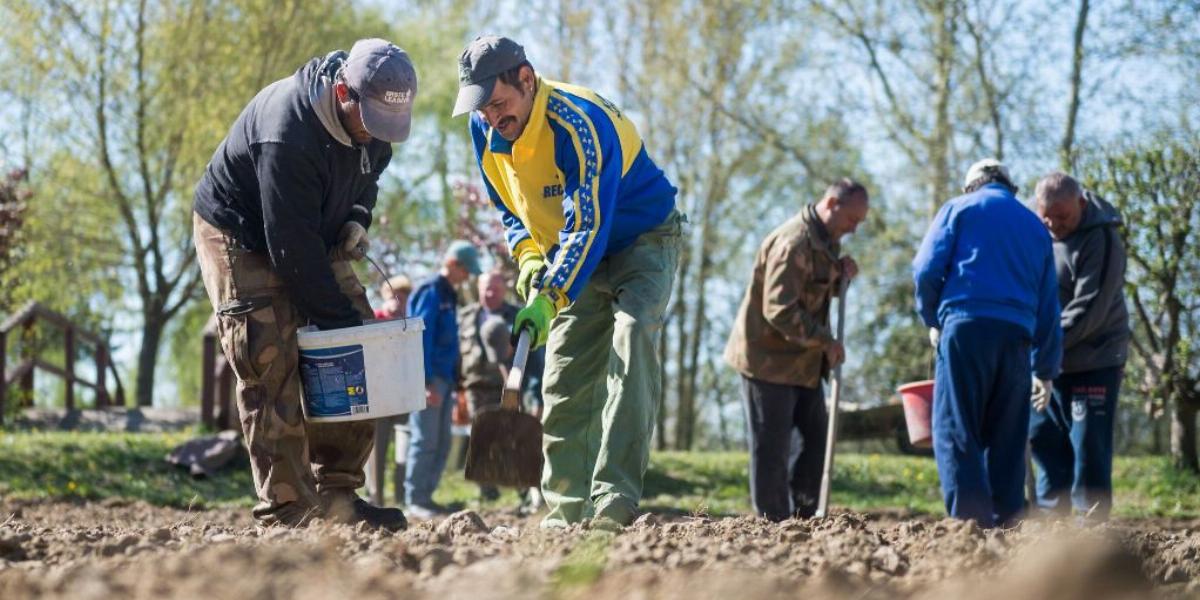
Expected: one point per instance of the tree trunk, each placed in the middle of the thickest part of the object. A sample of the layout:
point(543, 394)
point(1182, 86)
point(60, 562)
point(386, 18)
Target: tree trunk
point(1066, 147)
point(660, 417)
point(682, 337)
point(1156, 447)
point(939, 142)
point(1183, 436)
point(148, 359)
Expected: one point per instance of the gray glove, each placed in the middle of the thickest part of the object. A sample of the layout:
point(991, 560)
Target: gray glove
point(935, 336)
point(352, 242)
point(1041, 393)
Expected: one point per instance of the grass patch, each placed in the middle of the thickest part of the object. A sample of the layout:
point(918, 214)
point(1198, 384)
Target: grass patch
point(95, 466)
point(717, 483)
point(584, 565)
point(1149, 486)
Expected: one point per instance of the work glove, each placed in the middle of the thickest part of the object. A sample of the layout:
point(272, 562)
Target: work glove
point(531, 264)
point(352, 242)
point(1041, 393)
point(535, 317)
point(935, 336)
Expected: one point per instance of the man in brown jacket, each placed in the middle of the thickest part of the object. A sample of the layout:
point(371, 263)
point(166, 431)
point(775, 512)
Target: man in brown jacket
point(783, 347)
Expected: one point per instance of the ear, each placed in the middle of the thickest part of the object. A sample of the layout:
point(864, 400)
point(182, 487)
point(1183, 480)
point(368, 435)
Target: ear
point(341, 91)
point(527, 78)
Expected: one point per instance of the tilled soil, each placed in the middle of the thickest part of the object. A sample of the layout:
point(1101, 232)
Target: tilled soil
point(133, 550)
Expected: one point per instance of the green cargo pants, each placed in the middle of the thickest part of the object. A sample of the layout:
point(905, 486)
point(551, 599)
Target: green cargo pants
point(290, 459)
point(603, 381)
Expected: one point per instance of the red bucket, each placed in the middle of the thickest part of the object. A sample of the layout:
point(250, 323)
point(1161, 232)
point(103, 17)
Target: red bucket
point(917, 398)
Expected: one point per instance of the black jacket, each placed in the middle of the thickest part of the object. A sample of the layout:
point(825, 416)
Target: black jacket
point(1091, 280)
point(280, 183)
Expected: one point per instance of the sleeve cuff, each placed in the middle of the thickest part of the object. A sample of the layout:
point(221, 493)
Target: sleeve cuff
point(524, 249)
point(360, 215)
point(557, 297)
point(826, 336)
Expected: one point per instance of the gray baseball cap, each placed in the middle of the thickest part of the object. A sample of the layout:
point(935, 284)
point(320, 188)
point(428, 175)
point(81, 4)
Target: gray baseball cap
point(466, 254)
point(481, 62)
point(386, 83)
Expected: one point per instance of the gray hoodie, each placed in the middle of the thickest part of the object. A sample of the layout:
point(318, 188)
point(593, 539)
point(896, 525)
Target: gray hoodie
point(1091, 278)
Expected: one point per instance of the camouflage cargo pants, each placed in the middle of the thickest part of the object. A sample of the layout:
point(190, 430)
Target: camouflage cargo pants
point(293, 462)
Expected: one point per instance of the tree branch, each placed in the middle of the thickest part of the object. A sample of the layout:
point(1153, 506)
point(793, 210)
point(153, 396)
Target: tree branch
point(1153, 336)
point(859, 33)
point(989, 88)
point(124, 206)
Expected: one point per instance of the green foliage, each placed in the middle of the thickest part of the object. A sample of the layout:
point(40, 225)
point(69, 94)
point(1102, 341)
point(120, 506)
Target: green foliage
point(1153, 487)
point(1156, 187)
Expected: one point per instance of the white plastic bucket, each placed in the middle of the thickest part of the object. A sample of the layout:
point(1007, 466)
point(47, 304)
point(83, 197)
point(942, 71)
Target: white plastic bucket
point(367, 372)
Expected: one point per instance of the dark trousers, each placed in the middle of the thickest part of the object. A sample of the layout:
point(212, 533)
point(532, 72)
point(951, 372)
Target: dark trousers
point(773, 413)
point(1072, 443)
point(981, 419)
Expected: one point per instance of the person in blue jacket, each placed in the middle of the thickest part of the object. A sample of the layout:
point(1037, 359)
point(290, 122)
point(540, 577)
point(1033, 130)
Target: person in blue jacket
point(436, 303)
point(987, 289)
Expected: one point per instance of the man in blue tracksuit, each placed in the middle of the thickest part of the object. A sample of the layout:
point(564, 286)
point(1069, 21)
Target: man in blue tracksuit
point(1071, 430)
point(436, 302)
point(986, 287)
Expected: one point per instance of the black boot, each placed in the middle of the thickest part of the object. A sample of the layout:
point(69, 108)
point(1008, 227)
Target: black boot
point(379, 517)
point(346, 507)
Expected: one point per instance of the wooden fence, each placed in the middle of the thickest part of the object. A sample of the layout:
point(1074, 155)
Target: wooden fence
point(23, 323)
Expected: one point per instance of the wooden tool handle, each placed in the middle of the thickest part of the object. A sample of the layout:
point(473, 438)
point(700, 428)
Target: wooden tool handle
point(510, 400)
point(834, 393)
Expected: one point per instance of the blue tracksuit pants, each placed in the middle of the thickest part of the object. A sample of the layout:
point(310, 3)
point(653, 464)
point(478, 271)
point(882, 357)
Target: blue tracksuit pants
point(981, 418)
point(1072, 443)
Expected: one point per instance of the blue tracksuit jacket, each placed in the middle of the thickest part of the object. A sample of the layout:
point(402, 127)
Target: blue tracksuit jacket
point(575, 187)
point(988, 256)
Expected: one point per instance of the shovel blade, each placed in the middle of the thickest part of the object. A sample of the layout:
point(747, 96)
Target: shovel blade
point(505, 449)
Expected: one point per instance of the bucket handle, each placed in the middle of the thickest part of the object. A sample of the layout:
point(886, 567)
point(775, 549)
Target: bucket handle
point(386, 281)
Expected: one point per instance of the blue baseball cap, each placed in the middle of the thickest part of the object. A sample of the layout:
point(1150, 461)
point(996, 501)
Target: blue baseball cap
point(386, 83)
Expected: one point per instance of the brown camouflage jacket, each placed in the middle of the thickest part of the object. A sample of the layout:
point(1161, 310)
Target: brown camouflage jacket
point(782, 328)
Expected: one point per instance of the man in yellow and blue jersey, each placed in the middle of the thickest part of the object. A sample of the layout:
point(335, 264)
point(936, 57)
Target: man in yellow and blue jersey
point(592, 224)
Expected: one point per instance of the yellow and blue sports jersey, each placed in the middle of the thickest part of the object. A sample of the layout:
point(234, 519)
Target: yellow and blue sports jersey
point(575, 187)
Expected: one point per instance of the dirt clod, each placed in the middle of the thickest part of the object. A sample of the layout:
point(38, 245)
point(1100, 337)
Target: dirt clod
point(460, 524)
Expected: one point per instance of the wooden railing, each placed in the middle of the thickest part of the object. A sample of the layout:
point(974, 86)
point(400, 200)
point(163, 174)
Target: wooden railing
point(216, 383)
point(22, 374)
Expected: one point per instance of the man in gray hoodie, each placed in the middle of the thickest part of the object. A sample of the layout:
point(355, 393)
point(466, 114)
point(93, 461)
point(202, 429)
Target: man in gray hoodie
point(1071, 430)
